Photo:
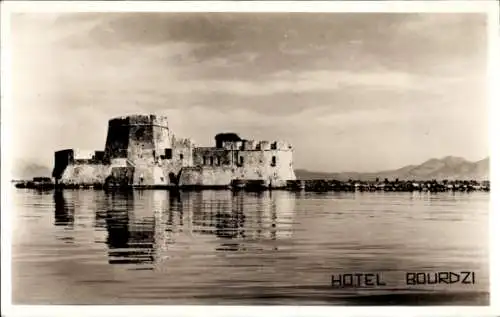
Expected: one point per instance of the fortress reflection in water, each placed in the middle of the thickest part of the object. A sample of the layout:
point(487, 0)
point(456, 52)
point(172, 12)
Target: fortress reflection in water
point(64, 214)
point(145, 227)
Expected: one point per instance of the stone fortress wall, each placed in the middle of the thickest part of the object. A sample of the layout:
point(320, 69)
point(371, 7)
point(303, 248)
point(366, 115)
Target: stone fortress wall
point(142, 151)
point(271, 162)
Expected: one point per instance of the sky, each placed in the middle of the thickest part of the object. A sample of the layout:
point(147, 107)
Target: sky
point(350, 91)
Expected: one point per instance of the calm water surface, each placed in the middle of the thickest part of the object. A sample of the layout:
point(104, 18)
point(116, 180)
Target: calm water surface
point(219, 247)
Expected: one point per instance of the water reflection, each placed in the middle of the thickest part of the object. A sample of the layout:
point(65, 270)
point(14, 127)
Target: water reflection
point(218, 213)
point(64, 212)
point(141, 225)
point(219, 247)
point(130, 240)
point(242, 216)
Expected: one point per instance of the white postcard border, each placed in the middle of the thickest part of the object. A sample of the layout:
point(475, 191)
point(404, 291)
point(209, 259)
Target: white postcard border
point(489, 7)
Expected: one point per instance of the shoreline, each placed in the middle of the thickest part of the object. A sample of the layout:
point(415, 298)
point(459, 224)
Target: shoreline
point(296, 186)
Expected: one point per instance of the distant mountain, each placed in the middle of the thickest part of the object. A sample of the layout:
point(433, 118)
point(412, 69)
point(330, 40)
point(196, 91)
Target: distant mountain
point(23, 170)
point(449, 167)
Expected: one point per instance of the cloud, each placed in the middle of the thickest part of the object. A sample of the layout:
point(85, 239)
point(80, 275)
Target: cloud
point(295, 83)
point(280, 40)
point(356, 84)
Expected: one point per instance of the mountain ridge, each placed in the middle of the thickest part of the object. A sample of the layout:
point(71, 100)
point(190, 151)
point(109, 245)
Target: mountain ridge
point(448, 167)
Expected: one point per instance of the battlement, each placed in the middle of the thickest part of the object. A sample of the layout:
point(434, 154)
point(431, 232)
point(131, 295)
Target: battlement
point(134, 120)
point(253, 145)
point(232, 141)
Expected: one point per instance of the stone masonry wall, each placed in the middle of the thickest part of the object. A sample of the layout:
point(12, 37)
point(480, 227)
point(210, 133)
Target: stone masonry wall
point(117, 138)
point(250, 160)
point(210, 156)
point(181, 156)
point(62, 159)
point(85, 174)
point(206, 176)
point(259, 165)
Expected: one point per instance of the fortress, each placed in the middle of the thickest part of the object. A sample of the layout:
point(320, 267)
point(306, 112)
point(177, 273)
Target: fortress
point(141, 151)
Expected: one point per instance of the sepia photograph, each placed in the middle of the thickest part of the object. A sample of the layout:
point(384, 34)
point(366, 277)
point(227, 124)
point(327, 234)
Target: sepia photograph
point(199, 157)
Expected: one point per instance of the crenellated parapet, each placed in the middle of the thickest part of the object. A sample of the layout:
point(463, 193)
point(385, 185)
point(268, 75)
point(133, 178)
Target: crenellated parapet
point(232, 145)
point(161, 121)
point(253, 145)
point(274, 145)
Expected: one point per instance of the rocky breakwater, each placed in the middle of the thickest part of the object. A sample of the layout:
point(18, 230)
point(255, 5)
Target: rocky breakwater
point(316, 185)
point(322, 185)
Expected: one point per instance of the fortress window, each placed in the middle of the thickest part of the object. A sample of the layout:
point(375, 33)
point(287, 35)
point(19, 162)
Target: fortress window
point(273, 161)
point(139, 133)
point(181, 156)
point(204, 160)
point(168, 154)
point(211, 160)
point(274, 146)
point(242, 160)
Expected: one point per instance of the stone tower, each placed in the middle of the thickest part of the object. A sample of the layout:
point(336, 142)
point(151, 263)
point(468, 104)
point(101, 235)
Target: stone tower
point(136, 138)
point(134, 146)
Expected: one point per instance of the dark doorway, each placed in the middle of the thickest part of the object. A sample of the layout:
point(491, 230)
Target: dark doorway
point(173, 178)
